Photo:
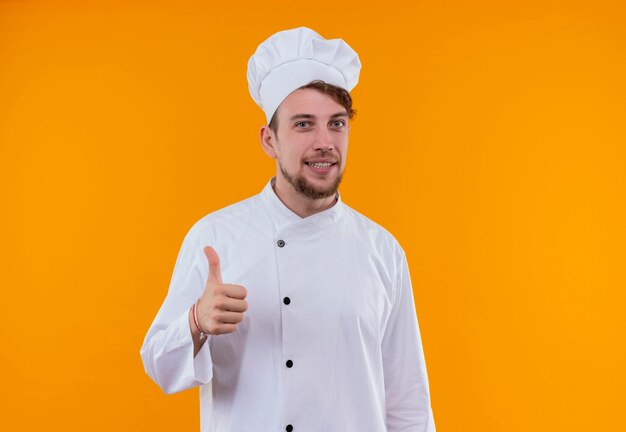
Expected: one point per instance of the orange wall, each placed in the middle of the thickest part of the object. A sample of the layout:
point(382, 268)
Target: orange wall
point(489, 139)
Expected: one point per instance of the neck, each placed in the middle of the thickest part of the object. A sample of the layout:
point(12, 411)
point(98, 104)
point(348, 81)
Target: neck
point(298, 203)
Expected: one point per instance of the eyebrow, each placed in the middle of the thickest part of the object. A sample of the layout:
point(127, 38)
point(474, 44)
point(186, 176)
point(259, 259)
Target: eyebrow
point(311, 116)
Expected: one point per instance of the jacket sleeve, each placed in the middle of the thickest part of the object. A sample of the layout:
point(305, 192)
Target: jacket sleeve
point(406, 382)
point(167, 351)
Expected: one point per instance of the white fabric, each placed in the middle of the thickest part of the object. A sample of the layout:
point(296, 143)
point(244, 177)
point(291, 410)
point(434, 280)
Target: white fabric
point(350, 328)
point(292, 58)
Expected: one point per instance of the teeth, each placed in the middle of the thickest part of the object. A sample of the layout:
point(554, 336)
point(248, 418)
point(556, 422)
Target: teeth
point(320, 164)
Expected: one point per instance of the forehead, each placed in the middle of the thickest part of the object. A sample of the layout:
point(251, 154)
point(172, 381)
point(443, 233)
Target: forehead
point(309, 101)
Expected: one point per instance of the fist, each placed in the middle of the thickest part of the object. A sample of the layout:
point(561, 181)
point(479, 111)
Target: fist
point(221, 306)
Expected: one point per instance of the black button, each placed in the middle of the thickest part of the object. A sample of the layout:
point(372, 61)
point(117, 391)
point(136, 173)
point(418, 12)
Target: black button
point(289, 363)
point(286, 300)
point(289, 428)
point(280, 243)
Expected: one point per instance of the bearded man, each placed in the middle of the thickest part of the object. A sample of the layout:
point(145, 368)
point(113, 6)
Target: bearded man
point(290, 310)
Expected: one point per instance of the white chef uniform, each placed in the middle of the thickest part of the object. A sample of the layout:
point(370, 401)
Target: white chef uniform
point(330, 341)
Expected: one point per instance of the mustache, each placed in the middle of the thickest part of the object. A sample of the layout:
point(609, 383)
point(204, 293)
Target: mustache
point(323, 155)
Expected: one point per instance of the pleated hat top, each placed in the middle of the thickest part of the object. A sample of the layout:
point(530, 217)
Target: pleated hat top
point(292, 58)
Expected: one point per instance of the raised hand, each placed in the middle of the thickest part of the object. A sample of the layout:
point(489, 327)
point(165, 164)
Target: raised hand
point(221, 306)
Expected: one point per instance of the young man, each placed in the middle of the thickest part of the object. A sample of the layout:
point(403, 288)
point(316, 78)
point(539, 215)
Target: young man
point(290, 310)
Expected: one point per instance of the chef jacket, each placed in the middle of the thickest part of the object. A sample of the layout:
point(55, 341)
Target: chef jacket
point(330, 341)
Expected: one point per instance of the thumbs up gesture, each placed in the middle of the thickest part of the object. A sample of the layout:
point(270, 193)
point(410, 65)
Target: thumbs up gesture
point(221, 306)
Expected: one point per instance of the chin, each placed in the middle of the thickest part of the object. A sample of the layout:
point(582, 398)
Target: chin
point(312, 187)
point(315, 190)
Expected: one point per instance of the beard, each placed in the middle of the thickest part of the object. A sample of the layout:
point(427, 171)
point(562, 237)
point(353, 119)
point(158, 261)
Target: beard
point(304, 187)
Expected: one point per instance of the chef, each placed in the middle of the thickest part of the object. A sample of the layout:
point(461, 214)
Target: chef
point(290, 310)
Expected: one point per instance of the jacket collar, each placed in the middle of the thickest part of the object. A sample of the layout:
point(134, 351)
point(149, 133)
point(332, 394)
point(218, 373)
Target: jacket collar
point(283, 217)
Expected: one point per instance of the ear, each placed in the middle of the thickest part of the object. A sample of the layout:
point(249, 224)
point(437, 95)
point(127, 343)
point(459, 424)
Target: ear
point(268, 141)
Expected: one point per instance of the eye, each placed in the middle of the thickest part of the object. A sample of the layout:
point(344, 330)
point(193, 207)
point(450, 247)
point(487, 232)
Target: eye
point(338, 123)
point(302, 124)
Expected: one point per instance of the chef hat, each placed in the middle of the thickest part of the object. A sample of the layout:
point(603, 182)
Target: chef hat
point(292, 58)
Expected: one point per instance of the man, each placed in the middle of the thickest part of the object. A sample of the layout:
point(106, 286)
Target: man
point(290, 310)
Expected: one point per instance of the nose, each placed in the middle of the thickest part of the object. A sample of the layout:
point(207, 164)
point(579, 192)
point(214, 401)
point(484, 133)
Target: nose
point(323, 140)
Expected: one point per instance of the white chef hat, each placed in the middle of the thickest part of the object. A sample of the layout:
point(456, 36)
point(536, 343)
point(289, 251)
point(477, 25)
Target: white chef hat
point(292, 58)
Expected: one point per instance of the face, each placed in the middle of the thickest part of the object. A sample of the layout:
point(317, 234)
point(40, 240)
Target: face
point(311, 143)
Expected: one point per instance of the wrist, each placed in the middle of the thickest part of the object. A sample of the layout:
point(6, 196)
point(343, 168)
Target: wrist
point(194, 324)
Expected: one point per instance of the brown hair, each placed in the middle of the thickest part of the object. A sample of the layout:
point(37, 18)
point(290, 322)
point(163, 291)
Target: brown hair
point(338, 94)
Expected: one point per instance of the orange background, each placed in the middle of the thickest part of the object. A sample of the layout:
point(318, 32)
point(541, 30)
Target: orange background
point(489, 140)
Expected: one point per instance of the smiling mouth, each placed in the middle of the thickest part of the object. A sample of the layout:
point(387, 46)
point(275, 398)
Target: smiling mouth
point(321, 164)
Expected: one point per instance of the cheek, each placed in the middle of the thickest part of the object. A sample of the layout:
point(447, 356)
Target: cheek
point(293, 154)
point(291, 158)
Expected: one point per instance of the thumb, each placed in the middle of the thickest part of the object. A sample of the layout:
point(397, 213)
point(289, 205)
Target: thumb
point(215, 274)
